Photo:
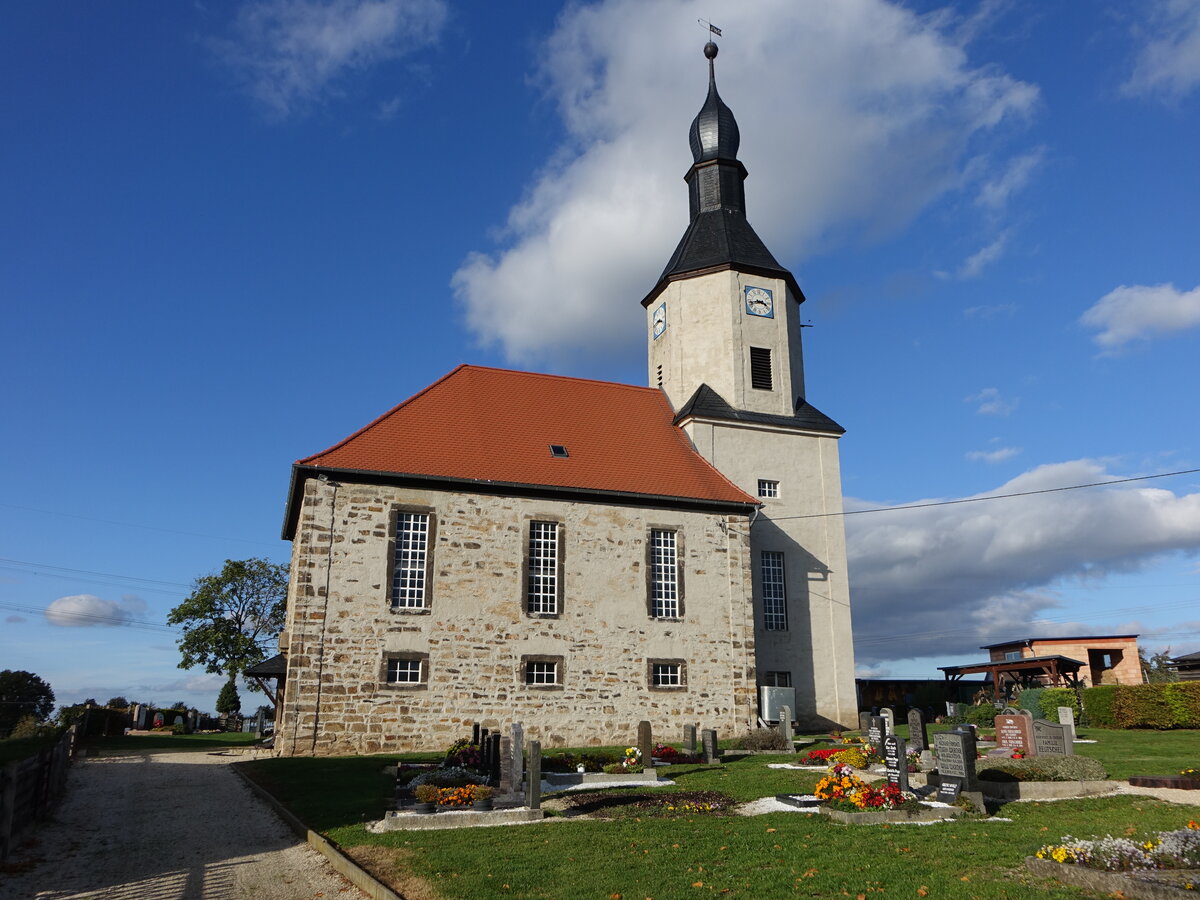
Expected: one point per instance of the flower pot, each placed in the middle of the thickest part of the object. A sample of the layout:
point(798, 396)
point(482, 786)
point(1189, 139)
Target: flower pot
point(425, 808)
point(482, 804)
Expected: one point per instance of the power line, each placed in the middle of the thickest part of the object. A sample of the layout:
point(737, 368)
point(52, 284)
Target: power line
point(92, 618)
point(1071, 487)
point(125, 578)
point(211, 537)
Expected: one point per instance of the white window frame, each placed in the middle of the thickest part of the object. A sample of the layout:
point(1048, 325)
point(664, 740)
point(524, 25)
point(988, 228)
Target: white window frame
point(768, 488)
point(772, 580)
point(539, 671)
point(667, 675)
point(404, 665)
point(542, 594)
point(664, 574)
point(410, 565)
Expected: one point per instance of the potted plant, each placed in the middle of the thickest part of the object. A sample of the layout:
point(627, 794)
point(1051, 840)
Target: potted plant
point(427, 798)
point(481, 796)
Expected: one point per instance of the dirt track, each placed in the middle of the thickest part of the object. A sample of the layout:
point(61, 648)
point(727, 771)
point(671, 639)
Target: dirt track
point(166, 826)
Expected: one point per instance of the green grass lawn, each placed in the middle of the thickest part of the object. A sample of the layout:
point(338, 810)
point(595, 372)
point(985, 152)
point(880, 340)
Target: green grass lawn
point(663, 856)
point(121, 745)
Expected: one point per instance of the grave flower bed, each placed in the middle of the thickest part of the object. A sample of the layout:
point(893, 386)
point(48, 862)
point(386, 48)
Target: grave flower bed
point(635, 804)
point(820, 757)
point(668, 754)
point(1179, 849)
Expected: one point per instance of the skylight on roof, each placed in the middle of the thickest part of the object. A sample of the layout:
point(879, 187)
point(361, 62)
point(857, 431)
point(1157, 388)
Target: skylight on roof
point(558, 451)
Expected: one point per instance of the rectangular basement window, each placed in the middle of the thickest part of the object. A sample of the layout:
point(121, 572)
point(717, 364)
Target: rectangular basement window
point(558, 451)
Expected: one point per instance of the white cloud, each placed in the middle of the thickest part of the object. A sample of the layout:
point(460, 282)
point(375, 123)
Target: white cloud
point(995, 192)
point(974, 264)
point(834, 147)
point(951, 578)
point(991, 403)
point(1136, 312)
point(87, 610)
point(1168, 61)
point(993, 456)
point(290, 54)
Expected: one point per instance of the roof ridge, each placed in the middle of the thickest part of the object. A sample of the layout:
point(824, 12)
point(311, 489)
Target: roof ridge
point(576, 378)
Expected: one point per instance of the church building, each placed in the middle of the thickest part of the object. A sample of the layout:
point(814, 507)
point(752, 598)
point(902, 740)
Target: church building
point(580, 555)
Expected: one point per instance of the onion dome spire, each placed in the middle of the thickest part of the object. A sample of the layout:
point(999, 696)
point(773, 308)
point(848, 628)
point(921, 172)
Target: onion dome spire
point(714, 133)
point(719, 236)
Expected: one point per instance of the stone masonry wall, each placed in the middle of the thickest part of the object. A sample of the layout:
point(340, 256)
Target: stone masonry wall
point(476, 631)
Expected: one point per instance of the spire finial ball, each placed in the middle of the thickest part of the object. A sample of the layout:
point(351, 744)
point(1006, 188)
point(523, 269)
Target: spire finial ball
point(710, 50)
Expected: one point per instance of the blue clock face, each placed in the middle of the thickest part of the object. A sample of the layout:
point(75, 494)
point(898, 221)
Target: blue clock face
point(660, 320)
point(760, 301)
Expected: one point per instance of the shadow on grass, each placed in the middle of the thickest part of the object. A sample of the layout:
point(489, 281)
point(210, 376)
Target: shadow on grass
point(140, 743)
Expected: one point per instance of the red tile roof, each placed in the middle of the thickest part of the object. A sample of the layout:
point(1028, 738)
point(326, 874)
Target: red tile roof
point(497, 425)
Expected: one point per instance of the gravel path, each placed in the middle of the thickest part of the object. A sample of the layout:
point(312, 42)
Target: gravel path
point(165, 826)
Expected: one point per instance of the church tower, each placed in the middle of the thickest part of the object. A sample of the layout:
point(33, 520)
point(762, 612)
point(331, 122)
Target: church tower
point(724, 340)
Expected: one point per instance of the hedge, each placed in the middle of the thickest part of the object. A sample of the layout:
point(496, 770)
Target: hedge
point(1142, 706)
point(1031, 699)
point(1052, 698)
point(1098, 705)
point(1183, 698)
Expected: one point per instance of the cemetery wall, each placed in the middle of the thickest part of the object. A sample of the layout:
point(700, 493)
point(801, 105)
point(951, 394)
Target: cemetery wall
point(475, 636)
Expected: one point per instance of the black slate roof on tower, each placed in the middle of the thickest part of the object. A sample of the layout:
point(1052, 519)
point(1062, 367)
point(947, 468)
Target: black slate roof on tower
point(719, 236)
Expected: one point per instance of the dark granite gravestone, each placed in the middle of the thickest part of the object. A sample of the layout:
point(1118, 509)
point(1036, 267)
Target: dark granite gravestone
point(895, 760)
point(1014, 732)
point(475, 733)
point(646, 744)
point(533, 791)
point(518, 754)
point(785, 723)
point(864, 721)
point(889, 720)
point(494, 757)
point(876, 731)
point(1052, 739)
point(956, 758)
point(709, 739)
point(689, 739)
point(918, 731)
point(505, 784)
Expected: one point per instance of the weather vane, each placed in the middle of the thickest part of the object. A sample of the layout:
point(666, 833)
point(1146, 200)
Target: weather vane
point(710, 26)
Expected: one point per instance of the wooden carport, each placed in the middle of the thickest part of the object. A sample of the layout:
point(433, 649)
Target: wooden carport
point(1033, 671)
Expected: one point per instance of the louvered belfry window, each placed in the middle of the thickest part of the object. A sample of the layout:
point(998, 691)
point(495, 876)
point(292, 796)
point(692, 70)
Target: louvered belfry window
point(760, 369)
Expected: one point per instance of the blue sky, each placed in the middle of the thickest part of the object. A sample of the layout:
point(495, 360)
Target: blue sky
point(231, 234)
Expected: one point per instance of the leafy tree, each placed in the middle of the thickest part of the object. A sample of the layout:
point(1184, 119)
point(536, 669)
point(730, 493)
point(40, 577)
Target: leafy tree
point(1157, 669)
point(23, 694)
point(232, 618)
point(179, 705)
point(117, 703)
point(228, 701)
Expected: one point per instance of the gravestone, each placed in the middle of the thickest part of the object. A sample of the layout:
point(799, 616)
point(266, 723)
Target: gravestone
point(646, 744)
point(864, 721)
point(493, 767)
point(951, 708)
point(505, 785)
point(158, 719)
point(918, 731)
point(689, 739)
point(785, 723)
point(533, 793)
point(1052, 739)
point(1015, 732)
point(259, 723)
point(875, 732)
point(475, 735)
point(517, 747)
point(708, 738)
point(889, 720)
point(955, 763)
point(1066, 716)
point(895, 760)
